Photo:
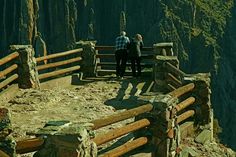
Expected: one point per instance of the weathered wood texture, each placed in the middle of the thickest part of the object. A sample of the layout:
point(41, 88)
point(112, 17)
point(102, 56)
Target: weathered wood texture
point(185, 116)
point(121, 116)
point(3, 154)
point(126, 147)
point(182, 90)
point(8, 80)
point(56, 64)
point(29, 145)
point(9, 58)
point(60, 54)
point(58, 72)
point(100, 139)
point(189, 101)
point(173, 69)
point(8, 70)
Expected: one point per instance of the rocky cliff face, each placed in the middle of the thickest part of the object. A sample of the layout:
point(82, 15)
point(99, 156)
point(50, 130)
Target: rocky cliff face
point(203, 34)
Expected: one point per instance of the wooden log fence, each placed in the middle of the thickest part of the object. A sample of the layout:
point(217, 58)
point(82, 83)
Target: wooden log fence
point(8, 70)
point(58, 72)
point(56, 64)
point(127, 147)
point(121, 116)
point(9, 58)
point(8, 80)
point(182, 90)
point(173, 69)
point(29, 145)
point(185, 116)
point(3, 154)
point(106, 137)
point(61, 54)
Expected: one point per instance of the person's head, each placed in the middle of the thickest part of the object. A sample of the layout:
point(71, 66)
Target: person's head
point(123, 33)
point(138, 37)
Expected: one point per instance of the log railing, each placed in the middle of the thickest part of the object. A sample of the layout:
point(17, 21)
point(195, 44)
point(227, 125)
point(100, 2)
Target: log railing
point(4, 74)
point(58, 64)
point(106, 58)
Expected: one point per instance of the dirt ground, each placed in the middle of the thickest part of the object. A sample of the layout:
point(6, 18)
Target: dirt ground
point(30, 109)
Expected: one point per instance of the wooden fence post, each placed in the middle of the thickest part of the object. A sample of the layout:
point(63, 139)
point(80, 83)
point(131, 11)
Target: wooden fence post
point(28, 74)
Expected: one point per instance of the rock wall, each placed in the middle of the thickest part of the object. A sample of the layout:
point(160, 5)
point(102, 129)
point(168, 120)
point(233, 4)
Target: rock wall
point(203, 34)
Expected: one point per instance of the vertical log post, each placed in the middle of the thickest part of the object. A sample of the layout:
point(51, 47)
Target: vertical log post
point(28, 74)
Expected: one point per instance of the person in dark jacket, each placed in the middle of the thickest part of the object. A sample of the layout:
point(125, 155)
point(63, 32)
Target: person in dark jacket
point(134, 54)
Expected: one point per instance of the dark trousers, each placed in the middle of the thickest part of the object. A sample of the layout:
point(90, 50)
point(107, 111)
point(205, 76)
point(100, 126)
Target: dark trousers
point(121, 59)
point(135, 62)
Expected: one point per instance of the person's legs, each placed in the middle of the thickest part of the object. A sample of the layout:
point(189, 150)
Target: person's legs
point(123, 63)
point(138, 60)
point(118, 59)
point(132, 60)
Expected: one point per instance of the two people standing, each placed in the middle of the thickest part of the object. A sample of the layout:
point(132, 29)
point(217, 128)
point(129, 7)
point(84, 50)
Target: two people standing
point(128, 49)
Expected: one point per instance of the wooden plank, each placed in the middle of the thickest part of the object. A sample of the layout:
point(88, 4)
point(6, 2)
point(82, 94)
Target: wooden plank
point(171, 87)
point(127, 64)
point(3, 154)
point(29, 145)
point(189, 101)
point(182, 90)
point(9, 58)
point(105, 137)
point(112, 48)
point(173, 80)
point(121, 116)
point(185, 116)
point(8, 80)
point(59, 54)
point(125, 148)
point(58, 72)
point(56, 64)
point(173, 69)
point(8, 70)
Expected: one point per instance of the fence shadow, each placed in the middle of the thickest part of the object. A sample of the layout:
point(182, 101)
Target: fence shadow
point(128, 94)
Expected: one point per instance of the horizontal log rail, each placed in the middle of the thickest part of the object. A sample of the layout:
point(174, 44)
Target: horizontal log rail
point(112, 48)
point(58, 72)
point(8, 80)
point(106, 137)
point(9, 58)
point(171, 87)
point(185, 116)
point(3, 154)
point(173, 69)
point(189, 101)
point(8, 70)
point(59, 54)
point(121, 116)
point(60, 63)
point(182, 90)
point(128, 64)
point(103, 55)
point(125, 148)
point(172, 79)
point(29, 145)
